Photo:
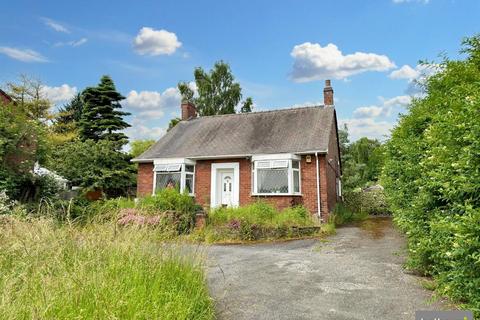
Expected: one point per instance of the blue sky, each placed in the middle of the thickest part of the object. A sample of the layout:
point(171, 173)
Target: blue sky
point(280, 51)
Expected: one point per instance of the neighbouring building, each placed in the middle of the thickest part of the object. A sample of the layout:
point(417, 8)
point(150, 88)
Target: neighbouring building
point(286, 157)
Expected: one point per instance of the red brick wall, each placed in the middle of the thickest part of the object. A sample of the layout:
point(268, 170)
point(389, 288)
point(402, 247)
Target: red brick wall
point(145, 179)
point(203, 179)
point(309, 187)
point(332, 169)
point(203, 173)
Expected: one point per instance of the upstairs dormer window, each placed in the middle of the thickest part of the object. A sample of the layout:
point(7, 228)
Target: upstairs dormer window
point(276, 177)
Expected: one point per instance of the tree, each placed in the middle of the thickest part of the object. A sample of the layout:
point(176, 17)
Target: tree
point(101, 118)
point(362, 160)
point(29, 97)
point(70, 114)
point(432, 178)
point(173, 122)
point(96, 165)
point(247, 105)
point(218, 93)
point(138, 147)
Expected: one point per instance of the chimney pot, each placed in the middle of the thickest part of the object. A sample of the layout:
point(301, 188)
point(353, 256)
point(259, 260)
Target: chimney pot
point(328, 94)
point(188, 111)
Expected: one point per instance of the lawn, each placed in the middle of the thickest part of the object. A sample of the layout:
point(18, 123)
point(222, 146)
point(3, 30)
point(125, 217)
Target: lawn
point(96, 271)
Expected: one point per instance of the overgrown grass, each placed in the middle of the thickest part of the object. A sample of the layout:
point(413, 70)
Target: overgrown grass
point(261, 213)
point(257, 221)
point(48, 271)
point(342, 214)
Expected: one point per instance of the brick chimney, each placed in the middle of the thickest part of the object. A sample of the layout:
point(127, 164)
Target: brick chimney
point(188, 111)
point(328, 94)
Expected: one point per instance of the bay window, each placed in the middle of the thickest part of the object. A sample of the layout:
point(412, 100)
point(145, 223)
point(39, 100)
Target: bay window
point(276, 177)
point(177, 175)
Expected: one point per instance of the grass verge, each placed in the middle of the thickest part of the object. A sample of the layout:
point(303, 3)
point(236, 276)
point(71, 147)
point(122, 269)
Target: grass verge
point(49, 271)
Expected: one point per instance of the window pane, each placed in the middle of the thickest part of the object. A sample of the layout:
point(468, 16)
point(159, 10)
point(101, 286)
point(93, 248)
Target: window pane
point(295, 164)
point(272, 180)
point(189, 183)
point(174, 167)
point(296, 181)
point(188, 168)
point(168, 180)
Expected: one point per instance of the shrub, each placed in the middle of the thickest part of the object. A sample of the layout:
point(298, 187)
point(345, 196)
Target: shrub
point(259, 220)
point(181, 205)
point(96, 272)
point(372, 202)
point(432, 178)
point(343, 214)
point(5, 203)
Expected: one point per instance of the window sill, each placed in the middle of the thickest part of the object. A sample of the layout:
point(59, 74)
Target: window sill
point(276, 195)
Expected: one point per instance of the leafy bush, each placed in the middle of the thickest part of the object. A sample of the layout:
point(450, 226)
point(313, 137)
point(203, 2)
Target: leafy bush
point(371, 202)
point(5, 203)
point(96, 272)
point(256, 221)
point(342, 214)
point(432, 180)
point(181, 205)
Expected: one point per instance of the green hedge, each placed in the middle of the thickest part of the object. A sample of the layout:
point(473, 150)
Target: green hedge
point(432, 178)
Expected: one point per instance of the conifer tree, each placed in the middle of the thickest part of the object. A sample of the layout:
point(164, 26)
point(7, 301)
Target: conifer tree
point(101, 118)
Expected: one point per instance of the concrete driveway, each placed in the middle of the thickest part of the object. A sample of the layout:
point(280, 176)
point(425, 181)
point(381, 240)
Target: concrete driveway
point(356, 274)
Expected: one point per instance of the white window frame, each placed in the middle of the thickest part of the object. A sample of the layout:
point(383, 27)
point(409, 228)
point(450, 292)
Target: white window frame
point(277, 161)
point(171, 165)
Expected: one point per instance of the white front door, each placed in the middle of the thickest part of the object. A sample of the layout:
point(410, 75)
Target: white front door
point(226, 179)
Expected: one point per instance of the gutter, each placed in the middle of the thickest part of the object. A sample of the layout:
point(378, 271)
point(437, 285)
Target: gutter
point(318, 189)
point(232, 156)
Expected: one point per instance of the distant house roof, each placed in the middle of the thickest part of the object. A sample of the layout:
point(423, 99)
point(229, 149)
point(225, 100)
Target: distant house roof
point(295, 130)
point(4, 97)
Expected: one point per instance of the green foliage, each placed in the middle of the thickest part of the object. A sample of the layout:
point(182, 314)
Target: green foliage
point(342, 214)
point(256, 221)
point(218, 93)
point(173, 122)
point(101, 118)
point(137, 147)
point(362, 161)
point(29, 98)
point(247, 105)
point(23, 138)
point(95, 165)
point(97, 272)
point(69, 115)
point(181, 205)
point(432, 179)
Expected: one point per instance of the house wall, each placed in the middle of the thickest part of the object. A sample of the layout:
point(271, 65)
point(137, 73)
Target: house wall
point(203, 169)
point(145, 179)
point(332, 169)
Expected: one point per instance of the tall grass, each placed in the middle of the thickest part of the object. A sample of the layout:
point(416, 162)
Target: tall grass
point(48, 271)
point(262, 214)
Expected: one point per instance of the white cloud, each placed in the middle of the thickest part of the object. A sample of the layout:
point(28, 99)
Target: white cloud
point(72, 43)
point(59, 94)
point(369, 112)
point(416, 77)
point(314, 62)
point(405, 72)
point(385, 109)
point(368, 127)
point(55, 25)
point(152, 100)
point(139, 131)
point(25, 55)
point(156, 42)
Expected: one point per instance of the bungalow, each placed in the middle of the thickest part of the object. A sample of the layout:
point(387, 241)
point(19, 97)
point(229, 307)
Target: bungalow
point(286, 157)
